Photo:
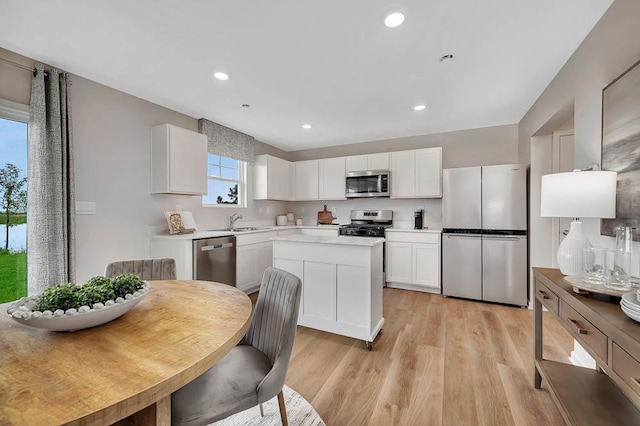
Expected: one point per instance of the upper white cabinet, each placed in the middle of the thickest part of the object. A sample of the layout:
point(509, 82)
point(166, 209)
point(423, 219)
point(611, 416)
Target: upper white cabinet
point(331, 179)
point(271, 178)
point(358, 163)
point(178, 161)
point(416, 173)
point(403, 166)
point(306, 180)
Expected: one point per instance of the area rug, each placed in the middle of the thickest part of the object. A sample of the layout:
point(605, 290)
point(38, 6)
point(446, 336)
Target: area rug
point(299, 413)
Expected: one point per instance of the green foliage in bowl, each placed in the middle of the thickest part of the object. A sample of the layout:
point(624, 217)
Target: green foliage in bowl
point(97, 290)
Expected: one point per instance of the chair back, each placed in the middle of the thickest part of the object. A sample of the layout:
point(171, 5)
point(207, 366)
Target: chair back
point(146, 269)
point(274, 321)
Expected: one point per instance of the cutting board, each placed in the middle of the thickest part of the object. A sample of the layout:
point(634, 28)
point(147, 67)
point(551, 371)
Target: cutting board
point(325, 217)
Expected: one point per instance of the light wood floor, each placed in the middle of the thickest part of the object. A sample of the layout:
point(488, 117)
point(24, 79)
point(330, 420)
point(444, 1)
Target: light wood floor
point(439, 361)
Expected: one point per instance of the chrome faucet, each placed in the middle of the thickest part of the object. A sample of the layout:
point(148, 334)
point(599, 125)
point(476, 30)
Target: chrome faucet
point(233, 219)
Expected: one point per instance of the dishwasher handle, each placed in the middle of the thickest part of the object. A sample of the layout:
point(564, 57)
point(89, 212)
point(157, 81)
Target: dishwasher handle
point(501, 238)
point(216, 247)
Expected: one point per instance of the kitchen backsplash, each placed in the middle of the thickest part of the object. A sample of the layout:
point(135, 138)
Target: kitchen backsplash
point(402, 210)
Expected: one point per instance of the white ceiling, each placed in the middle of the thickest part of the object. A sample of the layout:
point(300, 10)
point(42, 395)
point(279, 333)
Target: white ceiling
point(331, 63)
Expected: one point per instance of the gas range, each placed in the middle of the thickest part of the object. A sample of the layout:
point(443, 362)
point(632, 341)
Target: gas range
point(368, 223)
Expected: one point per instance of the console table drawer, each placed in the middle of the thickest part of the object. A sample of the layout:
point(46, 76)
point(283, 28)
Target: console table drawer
point(626, 367)
point(547, 297)
point(584, 331)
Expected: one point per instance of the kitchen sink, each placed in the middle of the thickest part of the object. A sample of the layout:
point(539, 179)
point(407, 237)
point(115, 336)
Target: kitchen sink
point(241, 229)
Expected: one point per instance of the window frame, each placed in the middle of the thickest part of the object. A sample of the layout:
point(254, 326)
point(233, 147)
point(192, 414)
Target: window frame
point(14, 111)
point(242, 185)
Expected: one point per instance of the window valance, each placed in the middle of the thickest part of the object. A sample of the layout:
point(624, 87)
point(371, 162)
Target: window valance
point(227, 142)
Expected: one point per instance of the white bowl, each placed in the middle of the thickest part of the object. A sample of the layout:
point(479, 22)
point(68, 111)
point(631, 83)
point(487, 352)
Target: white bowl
point(74, 319)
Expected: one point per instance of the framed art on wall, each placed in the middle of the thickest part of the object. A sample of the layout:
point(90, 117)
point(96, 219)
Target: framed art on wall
point(621, 147)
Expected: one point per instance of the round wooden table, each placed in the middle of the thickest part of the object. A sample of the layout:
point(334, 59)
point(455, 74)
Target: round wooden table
point(125, 369)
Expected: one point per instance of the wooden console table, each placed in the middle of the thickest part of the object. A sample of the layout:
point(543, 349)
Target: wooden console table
point(609, 396)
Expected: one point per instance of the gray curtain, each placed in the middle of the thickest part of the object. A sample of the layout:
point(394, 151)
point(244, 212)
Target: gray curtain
point(227, 142)
point(51, 192)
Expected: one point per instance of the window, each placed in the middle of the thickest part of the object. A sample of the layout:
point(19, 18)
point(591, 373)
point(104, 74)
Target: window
point(13, 207)
point(227, 182)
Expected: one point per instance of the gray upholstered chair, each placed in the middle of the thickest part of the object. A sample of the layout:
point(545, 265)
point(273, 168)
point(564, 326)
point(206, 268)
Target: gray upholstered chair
point(146, 269)
point(254, 371)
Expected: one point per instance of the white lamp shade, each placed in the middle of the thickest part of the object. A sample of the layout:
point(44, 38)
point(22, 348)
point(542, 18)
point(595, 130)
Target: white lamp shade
point(579, 194)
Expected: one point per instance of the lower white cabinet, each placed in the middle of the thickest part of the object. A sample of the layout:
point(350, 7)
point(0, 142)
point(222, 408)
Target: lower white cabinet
point(413, 260)
point(251, 261)
point(341, 283)
point(254, 254)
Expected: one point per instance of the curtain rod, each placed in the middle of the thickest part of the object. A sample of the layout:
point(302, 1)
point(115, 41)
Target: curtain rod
point(21, 66)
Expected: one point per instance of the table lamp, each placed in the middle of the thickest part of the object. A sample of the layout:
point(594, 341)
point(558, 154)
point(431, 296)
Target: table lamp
point(577, 194)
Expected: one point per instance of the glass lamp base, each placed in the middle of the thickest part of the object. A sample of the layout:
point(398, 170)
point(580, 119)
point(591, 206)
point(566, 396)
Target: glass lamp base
point(570, 250)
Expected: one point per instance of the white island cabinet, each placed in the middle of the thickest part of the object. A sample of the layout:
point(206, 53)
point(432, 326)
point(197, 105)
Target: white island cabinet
point(341, 282)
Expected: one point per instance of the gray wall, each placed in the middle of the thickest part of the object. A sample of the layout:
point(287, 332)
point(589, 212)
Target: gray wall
point(474, 147)
point(576, 94)
point(112, 133)
point(609, 49)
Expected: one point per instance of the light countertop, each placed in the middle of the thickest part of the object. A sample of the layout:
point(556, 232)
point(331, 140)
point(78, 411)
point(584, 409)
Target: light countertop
point(342, 240)
point(221, 233)
point(423, 231)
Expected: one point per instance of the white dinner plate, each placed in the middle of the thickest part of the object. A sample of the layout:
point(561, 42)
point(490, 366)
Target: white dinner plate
point(631, 299)
point(630, 307)
point(630, 314)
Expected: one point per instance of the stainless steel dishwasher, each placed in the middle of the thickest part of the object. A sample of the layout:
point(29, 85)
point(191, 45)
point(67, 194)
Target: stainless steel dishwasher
point(214, 259)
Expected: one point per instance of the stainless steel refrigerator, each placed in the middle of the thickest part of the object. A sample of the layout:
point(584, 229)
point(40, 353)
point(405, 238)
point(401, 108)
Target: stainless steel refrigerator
point(484, 240)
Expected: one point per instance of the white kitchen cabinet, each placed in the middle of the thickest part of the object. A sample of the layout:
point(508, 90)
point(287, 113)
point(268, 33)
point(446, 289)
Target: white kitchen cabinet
point(306, 180)
point(178, 161)
point(413, 260)
point(254, 254)
point(319, 232)
point(358, 163)
point(429, 172)
point(426, 268)
point(416, 173)
point(331, 179)
point(178, 249)
point(251, 261)
point(403, 166)
point(398, 262)
point(271, 178)
point(341, 282)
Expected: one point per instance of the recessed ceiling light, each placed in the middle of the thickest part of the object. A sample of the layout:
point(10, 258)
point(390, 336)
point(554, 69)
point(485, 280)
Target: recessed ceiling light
point(221, 76)
point(306, 126)
point(394, 19)
point(419, 107)
point(446, 57)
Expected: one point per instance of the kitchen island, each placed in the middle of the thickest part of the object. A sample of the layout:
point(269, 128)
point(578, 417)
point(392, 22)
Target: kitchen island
point(341, 282)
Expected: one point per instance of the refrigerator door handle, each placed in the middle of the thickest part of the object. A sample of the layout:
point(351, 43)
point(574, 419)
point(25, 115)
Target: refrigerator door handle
point(487, 237)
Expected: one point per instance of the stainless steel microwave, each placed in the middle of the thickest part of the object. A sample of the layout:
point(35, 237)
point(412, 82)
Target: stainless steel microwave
point(369, 183)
